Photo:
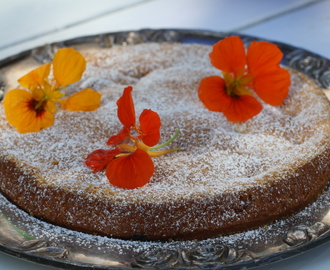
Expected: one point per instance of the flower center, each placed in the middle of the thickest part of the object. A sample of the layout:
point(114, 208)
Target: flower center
point(237, 85)
point(150, 150)
point(137, 129)
point(232, 88)
point(38, 105)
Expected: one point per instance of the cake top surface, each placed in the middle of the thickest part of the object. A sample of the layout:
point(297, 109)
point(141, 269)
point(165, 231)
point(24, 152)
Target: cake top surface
point(216, 155)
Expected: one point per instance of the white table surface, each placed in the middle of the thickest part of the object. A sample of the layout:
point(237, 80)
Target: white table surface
point(25, 24)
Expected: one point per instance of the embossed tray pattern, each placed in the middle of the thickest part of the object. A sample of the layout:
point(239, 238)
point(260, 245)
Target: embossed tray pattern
point(29, 238)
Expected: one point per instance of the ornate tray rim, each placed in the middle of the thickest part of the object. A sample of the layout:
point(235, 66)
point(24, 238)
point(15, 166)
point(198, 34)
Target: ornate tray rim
point(299, 239)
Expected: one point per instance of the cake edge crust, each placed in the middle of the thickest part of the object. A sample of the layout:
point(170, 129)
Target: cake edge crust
point(275, 198)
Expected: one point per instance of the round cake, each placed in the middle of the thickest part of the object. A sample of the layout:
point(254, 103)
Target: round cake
point(227, 177)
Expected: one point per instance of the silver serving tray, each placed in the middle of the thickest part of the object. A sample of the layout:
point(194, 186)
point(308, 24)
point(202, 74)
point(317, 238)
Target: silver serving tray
point(29, 238)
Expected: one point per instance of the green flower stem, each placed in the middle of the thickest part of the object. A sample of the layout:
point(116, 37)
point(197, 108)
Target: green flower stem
point(21, 232)
point(168, 142)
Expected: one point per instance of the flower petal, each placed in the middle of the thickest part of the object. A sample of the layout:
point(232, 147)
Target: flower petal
point(271, 82)
point(51, 107)
point(32, 122)
point(126, 110)
point(263, 57)
point(68, 66)
point(273, 87)
point(131, 171)
point(99, 159)
point(228, 55)
point(212, 92)
point(150, 127)
point(122, 134)
point(242, 108)
point(85, 100)
point(35, 78)
point(14, 101)
point(21, 114)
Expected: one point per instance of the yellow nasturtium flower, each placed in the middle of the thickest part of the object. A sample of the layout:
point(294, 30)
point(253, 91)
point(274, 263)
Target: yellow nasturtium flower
point(33, 108)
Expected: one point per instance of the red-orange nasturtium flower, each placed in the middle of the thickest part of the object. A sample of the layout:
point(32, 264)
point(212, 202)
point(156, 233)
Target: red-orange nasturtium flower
point(257, 69)
point(33, 108)
point(130, 165)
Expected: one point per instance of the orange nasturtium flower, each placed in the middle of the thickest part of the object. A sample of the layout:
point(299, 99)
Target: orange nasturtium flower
point(130, 165)
point(33, 108)
point(257, 69)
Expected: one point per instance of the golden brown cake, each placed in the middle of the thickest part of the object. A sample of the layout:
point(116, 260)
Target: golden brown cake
point(227, 177)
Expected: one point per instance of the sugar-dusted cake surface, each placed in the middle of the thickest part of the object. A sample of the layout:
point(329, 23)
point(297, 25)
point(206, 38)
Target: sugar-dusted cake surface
point(227, 177)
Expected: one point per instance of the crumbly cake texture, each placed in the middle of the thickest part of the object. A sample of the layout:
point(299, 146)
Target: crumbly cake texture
point(226, 178)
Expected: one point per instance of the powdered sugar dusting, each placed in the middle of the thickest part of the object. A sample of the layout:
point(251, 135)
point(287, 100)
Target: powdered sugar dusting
point(215, 156)
point(256, 241)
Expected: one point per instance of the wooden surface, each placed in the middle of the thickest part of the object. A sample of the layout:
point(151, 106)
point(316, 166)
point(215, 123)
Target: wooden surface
point(25, 24)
